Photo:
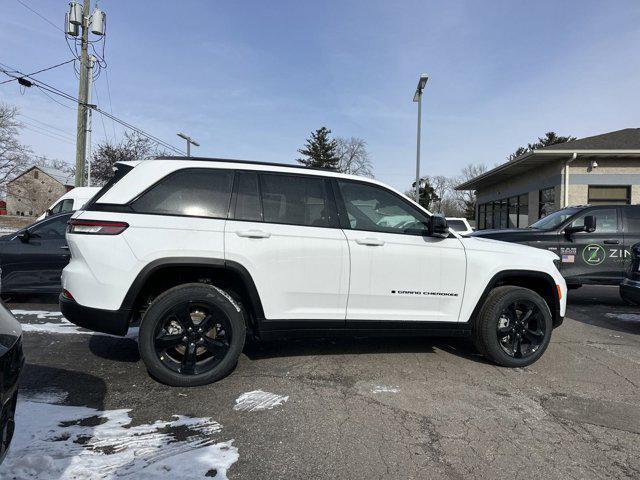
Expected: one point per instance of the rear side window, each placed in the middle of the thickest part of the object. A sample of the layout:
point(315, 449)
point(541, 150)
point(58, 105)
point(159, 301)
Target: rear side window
point(196, 192)
point(632, 215)
point(294, 200)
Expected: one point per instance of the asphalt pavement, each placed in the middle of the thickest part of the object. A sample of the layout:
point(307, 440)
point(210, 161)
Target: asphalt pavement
point(336, 408)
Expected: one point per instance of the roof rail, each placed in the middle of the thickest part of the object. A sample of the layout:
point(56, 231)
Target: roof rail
point(244, 162)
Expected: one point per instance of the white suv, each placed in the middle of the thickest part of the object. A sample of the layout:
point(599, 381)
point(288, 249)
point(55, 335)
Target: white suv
point(204, 252)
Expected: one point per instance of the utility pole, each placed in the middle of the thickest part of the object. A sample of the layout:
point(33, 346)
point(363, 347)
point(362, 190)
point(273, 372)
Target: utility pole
point(92, 60)
point(190, 141)
point(78, 18)
point(83, 90)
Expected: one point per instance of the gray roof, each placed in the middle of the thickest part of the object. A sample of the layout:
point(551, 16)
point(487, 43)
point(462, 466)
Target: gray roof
point(67, 179)
point(626, 139)
point(621, 143)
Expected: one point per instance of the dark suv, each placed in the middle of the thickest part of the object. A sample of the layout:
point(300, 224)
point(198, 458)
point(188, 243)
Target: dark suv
point(593, 242)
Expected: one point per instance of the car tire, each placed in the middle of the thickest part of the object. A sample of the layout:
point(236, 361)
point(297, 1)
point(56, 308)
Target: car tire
point(192, 335)
point(513, 328)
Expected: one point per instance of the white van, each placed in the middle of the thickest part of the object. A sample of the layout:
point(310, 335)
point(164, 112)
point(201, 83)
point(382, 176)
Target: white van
point(72, 200)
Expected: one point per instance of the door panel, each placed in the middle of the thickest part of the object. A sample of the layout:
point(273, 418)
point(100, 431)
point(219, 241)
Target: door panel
point(405, 277)
point(596, 257)
point(397, 272)
point(301, 273)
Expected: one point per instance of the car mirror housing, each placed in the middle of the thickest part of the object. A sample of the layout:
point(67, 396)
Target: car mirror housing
point(589, 224)
point(438, 227)
point(24, 236)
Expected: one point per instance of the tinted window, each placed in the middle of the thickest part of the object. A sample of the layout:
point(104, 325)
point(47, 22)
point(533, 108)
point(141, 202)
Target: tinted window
point(294, 200)
point(248, 198)
point(376, 209)
point(194, 192)
point(51, 229)
point(57, 207)
point(606, 220)
point(633, 219)
point(67, 205)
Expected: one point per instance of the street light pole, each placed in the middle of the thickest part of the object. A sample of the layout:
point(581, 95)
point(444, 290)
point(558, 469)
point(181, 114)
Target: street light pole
point(417, 97)
point(190, 141)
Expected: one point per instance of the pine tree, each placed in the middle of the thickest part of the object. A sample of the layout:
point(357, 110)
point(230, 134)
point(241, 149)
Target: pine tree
point(320, 151)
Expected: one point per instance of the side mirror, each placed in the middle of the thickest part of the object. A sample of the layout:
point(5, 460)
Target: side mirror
point(438, 227)
point(24, 236)
point(589, 224)
point(48, 212)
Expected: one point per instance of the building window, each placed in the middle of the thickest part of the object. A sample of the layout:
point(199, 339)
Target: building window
point(523, 211)
point(505, 213)
point(35, 174)
point(481, 216)
point(547, 203)
point(609, 195)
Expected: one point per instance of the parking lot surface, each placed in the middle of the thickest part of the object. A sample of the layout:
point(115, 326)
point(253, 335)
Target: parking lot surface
point(336, 408)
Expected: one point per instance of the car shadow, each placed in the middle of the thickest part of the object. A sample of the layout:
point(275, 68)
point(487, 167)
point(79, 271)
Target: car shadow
point(346, 345)
point(114, 348)
point(603, 307)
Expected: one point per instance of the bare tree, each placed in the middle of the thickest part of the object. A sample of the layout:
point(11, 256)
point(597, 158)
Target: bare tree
point(106, 154)
point(14, 156)
point(353, 157)
point(441, 187)
point(467, 198)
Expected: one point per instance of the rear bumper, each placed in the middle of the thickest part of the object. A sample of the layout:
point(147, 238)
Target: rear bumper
point(113, 322)
point(630, 289)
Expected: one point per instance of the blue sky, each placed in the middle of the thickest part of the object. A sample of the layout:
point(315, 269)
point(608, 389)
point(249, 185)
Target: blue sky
point(251, 79)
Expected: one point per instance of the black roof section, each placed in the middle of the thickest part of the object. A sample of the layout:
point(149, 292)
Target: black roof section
point(245, 162)
point(626, 139)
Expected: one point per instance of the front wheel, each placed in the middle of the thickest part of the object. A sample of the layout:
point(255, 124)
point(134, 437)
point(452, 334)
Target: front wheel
point(192, 335)
point(514, 326)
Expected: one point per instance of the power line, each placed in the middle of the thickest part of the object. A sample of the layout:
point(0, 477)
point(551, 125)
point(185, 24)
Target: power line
point(106, 74)
point(41, 16)
point(39, 71)
point(51, 89)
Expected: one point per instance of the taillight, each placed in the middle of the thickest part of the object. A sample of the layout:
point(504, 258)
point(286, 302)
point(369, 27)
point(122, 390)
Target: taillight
point(96, 227)
point(67, 294)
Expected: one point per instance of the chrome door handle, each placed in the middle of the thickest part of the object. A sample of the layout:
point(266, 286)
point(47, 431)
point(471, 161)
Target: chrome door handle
point(373, 242)
point(253, 233)
point(64, 247)
point(612, 242)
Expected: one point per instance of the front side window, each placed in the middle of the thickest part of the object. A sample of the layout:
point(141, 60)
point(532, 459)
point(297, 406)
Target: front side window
point(376, 209)
point(66, 205)
point(50, 229)
point(606, 220)
point(57, 208)
point(294, 200)
point(196, 192)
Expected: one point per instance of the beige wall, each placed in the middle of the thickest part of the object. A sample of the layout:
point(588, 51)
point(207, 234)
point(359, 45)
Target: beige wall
point(32, 193)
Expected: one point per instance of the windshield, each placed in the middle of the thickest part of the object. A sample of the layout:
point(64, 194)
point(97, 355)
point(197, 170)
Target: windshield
point(555, 219)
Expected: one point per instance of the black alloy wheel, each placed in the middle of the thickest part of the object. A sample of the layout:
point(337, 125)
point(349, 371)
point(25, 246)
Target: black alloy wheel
point(521, 329)
point(193, 338)
point(192, 334)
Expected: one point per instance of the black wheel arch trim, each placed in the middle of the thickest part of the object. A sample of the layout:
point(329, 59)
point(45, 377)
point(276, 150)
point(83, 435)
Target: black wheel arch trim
point(130, 299)
point(498, 277)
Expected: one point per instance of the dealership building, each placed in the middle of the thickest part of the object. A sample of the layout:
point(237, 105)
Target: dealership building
point(603, 169)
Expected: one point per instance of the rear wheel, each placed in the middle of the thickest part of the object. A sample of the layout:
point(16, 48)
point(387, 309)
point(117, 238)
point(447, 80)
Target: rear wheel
point(192, 335)
point(514, 326)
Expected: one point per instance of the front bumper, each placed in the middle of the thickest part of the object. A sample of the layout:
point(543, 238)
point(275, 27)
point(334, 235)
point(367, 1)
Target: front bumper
point(630, 289)
point(11, 364)
point(113, 322)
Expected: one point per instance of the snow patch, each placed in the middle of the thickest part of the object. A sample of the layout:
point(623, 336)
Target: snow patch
point(385, 389)
point(40, 314)
point(258, 400)
point(61, 326)
point(66, 442)
point(625, 317)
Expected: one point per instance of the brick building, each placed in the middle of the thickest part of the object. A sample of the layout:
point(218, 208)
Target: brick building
point(33, 191)
point(603, 169)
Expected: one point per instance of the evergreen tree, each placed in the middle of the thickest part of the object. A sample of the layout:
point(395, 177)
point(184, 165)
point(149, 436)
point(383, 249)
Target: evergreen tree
point(320, 151)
